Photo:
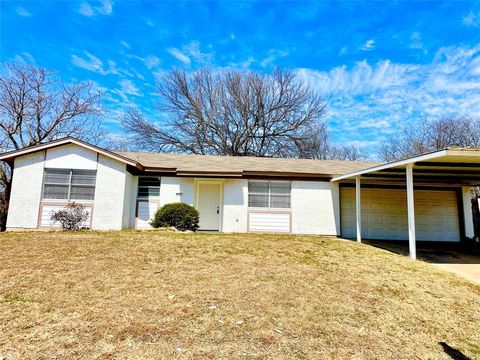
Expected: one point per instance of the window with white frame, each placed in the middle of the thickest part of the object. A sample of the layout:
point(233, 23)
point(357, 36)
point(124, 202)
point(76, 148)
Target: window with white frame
point(148, 187)
point(269, 194)
point(69, 184)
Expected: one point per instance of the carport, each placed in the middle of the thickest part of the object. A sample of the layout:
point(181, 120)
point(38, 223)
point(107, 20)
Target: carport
point(435, 180)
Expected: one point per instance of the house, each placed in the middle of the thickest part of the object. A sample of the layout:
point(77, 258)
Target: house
point(423, 198)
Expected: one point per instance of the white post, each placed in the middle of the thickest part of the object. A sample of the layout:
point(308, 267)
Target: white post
point(411, 213)
point(358, 208)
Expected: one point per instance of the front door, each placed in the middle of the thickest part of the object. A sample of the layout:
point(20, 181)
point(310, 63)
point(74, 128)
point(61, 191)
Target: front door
point(209, 206)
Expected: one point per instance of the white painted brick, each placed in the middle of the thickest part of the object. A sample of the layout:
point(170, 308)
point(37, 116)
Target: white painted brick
point(109, 194)
point(26, 191)
point(235, 205)
point(315, 208)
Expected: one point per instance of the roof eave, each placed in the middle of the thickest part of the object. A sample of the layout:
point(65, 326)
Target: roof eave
point(11, 155)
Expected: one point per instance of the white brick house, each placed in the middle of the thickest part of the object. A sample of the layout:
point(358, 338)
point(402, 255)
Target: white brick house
point(243, 194)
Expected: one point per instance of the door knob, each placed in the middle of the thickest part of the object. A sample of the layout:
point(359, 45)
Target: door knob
point(218, 209)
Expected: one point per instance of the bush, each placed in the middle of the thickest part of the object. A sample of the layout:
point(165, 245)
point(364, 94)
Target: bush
point(181, 216)
point(70, 217)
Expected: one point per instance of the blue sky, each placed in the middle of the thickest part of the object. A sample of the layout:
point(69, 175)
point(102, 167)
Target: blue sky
point(378, 63)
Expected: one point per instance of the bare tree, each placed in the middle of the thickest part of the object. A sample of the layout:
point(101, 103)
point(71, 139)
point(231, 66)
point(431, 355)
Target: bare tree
point(231, 113)
point(320, 147)
point(35, 107)
point(430, 135)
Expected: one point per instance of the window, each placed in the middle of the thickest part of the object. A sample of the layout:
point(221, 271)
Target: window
point(148, 187)
point(65, 184)
point(269, 194)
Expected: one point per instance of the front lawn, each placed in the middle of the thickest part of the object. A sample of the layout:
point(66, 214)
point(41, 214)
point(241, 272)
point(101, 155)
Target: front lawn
point(159, 295)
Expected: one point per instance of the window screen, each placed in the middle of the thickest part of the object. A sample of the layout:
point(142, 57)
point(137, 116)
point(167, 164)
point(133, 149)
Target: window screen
point(64, 184)
point(269, 194)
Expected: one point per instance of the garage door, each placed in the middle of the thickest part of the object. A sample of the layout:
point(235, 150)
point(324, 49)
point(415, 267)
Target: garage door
point(384, 214)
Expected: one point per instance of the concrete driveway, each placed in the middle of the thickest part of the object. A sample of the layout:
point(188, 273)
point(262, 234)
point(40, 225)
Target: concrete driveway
point(449, 257)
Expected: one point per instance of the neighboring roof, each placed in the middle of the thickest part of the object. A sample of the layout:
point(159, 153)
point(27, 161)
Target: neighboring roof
point(197, 165)
point(10, 155)
point(453, 163)
point(244, 165)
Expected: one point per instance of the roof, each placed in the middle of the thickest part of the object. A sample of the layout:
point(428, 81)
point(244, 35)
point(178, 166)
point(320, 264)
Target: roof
point(243, 165)
point(450, 165)
point(206, 165)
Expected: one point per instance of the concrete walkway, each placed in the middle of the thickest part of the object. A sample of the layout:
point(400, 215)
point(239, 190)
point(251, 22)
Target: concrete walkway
point(445, 256)
point(465, 265)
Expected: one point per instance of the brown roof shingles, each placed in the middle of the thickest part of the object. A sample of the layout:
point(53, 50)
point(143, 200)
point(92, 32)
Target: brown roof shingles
point(241, 164)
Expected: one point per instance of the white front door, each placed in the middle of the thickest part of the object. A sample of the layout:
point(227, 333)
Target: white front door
point(209, 205)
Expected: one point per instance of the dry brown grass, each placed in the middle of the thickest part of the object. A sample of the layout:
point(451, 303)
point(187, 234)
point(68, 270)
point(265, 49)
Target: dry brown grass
point(168, 295)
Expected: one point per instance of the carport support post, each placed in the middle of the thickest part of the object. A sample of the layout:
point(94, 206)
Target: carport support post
point(358, 209)
point(411, 213)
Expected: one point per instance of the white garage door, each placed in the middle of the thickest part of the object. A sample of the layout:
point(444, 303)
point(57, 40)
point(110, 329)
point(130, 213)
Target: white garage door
point(384, 214)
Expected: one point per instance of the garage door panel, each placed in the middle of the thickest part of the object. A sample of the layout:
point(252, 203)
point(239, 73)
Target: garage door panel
point(384, 214)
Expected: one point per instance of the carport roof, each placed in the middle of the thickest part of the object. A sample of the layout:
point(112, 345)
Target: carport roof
point(453, 165)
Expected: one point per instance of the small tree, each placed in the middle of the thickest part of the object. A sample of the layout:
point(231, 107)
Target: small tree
point(70, 217)
point(181, 216)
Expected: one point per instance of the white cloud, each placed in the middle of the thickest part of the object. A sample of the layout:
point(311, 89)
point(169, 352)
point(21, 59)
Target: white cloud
point(94, 64)
point(192, 52)
point(23, 12)
point(151, 61)
point(128, 87)
point(179, 56)
point(105, 8)
point(272, 57)
point(24, 58)
point(369, 45)
point(125, 44)
point(372, 100)
point(472, 19)
point(86, 9)
point(150, 23)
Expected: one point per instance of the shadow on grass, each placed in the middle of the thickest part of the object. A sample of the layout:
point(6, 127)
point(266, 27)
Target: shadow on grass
point(452, 352)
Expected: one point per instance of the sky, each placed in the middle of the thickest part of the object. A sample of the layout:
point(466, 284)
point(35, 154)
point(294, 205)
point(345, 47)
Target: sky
point(379, 64)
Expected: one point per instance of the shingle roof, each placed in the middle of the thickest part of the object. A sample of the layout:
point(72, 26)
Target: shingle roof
point(243, 164)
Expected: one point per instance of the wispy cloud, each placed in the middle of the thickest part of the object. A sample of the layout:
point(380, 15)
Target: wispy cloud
point(23, 12)
point(128, 87)
point(180, 56)
point(104, 8)
point(472, 19)
point(376, 98)
point(24, 58)
point(151, 61)
point(192, 52)
point(416, 41)
point(94, 64)
point(369, 45)
point(272, 57)
point(125, 44)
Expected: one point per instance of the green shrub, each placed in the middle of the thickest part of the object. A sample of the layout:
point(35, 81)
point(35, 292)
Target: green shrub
point(181, 216)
